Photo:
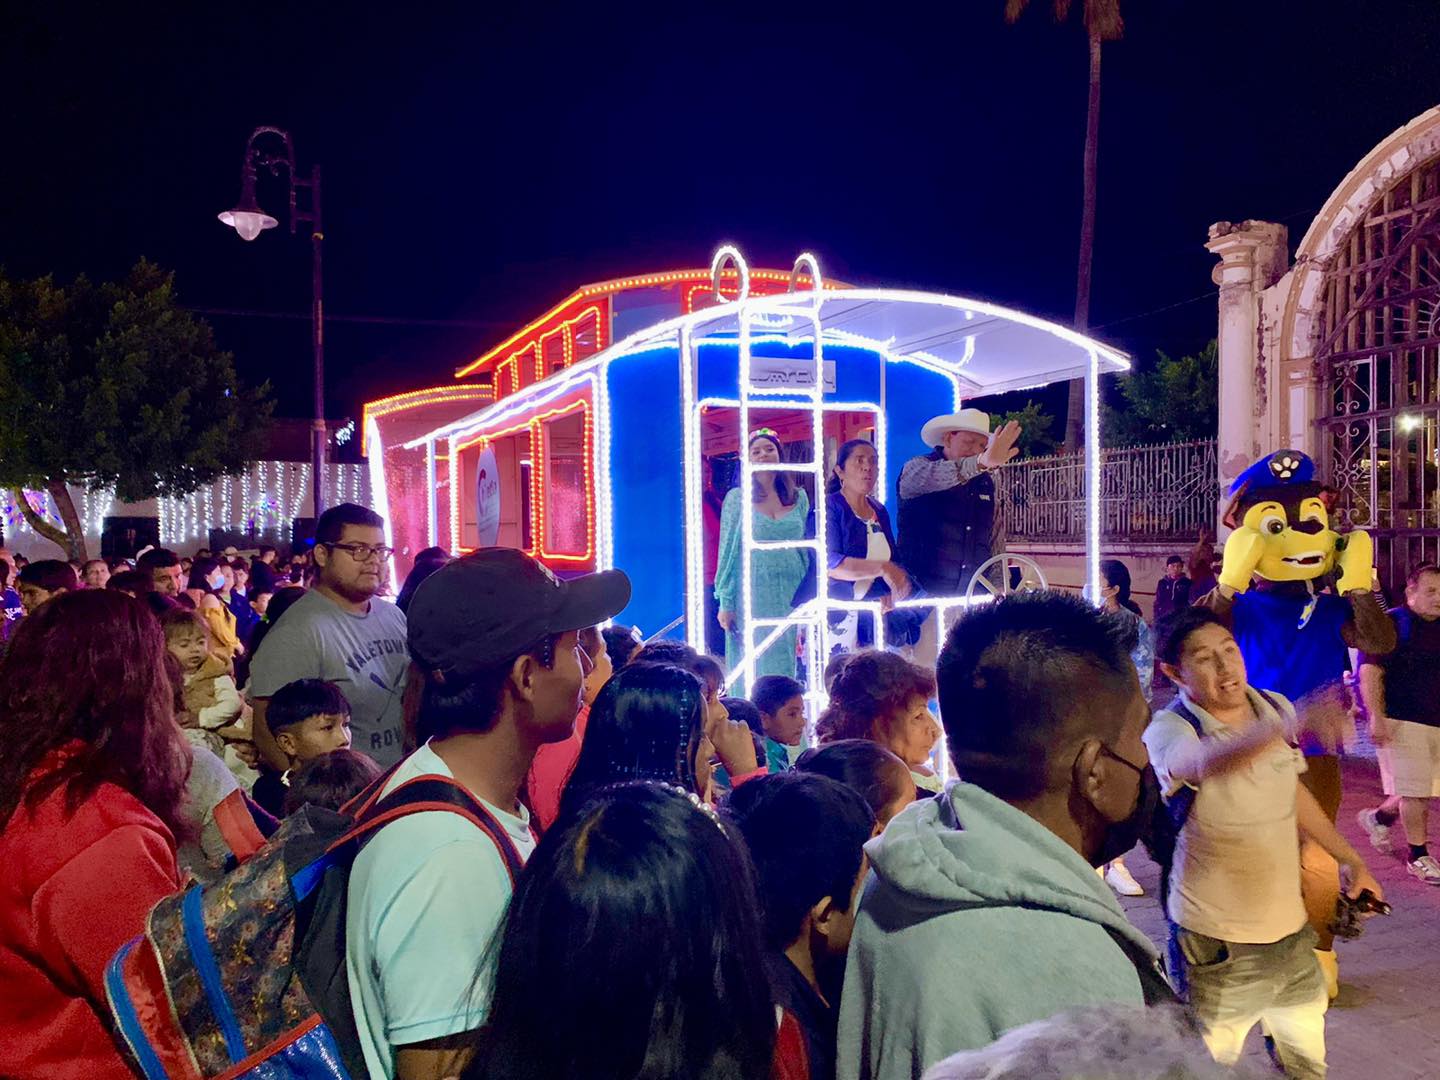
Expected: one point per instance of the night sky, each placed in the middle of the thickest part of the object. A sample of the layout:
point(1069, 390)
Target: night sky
point(478, 167)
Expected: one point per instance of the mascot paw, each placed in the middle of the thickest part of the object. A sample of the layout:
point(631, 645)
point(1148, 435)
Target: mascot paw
point(1243, 551)
point(1355, 562)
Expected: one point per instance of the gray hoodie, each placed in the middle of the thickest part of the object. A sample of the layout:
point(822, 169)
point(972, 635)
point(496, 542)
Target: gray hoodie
point(976, 919)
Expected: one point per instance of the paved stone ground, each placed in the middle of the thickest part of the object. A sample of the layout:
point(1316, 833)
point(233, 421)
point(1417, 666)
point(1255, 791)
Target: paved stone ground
point(1384, 1024)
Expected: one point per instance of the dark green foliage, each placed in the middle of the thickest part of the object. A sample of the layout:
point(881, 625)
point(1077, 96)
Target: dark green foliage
point(1175, 400)
point(114, 386)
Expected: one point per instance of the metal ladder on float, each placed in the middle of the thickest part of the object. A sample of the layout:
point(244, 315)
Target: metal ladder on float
point(812, 615)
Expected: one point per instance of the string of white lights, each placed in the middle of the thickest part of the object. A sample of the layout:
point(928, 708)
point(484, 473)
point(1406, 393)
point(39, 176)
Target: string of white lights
point(432, 524)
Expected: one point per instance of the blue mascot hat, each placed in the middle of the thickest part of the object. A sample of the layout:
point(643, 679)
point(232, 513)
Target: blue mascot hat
point(1275, 470)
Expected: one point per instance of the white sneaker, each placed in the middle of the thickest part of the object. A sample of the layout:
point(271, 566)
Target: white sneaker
point(1120, 879)
point(1426, 869)
point(1378, 832)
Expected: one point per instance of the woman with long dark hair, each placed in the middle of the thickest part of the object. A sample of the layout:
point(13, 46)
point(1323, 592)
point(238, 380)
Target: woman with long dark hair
point(92, 779)
point(634, 927)
point(650, 723)
point(778, 511)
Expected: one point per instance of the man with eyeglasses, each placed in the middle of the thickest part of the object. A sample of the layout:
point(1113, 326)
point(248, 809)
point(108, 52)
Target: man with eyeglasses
point(339, 632)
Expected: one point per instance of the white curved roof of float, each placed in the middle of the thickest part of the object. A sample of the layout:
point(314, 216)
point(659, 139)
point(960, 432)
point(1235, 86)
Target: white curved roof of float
point(986, 348)
point(989, 349)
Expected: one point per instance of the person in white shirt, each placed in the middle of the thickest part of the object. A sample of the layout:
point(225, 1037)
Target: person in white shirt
point(1239, 933)
point(494, 636)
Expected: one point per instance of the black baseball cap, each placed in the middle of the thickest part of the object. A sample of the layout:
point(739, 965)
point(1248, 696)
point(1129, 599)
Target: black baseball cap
point(495, 603)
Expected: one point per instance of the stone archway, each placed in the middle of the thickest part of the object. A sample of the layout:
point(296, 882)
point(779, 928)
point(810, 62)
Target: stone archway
point(1339, 353)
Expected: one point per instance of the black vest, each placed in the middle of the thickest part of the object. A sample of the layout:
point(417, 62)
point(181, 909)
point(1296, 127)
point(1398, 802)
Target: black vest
point(945, 535)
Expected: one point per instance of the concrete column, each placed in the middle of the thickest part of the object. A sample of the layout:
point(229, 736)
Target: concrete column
point(1253, 256)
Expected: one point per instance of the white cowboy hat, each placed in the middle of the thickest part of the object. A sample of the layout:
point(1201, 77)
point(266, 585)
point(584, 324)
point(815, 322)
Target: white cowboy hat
point(964, 420)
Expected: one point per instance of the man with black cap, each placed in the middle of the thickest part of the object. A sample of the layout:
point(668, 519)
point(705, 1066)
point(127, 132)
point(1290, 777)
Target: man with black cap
point(493, 637)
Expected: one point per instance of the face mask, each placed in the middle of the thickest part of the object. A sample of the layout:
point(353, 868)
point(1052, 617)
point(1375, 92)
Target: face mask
point(1126, 833)
point(216, 582)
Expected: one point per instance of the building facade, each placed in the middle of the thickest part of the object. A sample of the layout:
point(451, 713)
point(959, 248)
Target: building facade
point(1336, 351)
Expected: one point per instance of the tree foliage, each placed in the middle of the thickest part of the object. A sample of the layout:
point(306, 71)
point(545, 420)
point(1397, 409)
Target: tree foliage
point(1035, 424)
point(111, 385)
point(1176, 400)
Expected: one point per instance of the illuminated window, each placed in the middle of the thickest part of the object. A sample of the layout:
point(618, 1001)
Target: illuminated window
point(586, 336)
point(566, 531)
point(527, 535)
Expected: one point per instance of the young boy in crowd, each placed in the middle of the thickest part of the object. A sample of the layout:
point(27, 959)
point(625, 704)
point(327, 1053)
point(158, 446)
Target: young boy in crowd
point(309, 718)
point(212, 703)
point(781, 701)
point(330, 780)
point(806, 834)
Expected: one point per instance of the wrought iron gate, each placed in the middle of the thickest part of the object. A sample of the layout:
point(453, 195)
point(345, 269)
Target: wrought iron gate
point(1379, 368)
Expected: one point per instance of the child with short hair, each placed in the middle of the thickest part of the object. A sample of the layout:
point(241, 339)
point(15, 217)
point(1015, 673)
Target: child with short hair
point(877, 775)
point(781, 701)
point(806, 835)
point(214, 711)
point(308, 717)
point(330, 780)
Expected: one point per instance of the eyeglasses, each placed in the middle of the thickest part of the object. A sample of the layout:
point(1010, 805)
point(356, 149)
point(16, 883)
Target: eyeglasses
point(364, 552)
point(1123, 760)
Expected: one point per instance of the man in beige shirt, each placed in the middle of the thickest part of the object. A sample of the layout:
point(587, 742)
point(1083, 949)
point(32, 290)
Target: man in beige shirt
point(1240, 936)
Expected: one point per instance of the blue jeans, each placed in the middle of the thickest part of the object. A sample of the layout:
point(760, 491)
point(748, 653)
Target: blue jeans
point(1233, 986)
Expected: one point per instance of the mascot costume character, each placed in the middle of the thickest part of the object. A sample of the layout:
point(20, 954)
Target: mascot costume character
point(1298, 596)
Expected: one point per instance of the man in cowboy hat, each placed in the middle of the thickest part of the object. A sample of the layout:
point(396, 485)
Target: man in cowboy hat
point(947, 499)
point(947, 508)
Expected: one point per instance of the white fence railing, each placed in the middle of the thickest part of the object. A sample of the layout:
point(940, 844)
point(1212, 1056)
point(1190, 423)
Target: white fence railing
point(1165, 492)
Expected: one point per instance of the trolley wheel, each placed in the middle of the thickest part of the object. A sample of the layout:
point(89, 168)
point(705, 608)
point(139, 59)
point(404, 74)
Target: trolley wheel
point(1031, 576)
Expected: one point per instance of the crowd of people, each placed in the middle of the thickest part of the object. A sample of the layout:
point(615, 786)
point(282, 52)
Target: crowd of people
point(655, 879)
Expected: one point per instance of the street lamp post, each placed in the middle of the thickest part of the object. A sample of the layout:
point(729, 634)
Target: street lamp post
point(250, 221)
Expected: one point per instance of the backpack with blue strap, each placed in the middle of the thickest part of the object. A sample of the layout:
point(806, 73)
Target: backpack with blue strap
point(245, 978)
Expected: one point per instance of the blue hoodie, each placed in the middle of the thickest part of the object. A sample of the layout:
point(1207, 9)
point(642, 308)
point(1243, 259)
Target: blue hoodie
point(976, 919)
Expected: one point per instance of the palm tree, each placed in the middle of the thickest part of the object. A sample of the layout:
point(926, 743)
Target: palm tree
point(1102, 23)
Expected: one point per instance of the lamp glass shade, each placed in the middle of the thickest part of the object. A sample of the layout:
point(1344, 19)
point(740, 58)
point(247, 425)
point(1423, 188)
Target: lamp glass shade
point(248, 223)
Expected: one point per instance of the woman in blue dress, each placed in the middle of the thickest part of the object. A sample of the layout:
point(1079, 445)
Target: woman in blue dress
point(779, 510)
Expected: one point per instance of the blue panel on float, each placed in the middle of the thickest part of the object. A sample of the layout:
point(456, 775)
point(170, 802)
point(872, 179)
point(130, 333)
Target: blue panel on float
point(647, 468)
point(647, 450)
point(913, 395)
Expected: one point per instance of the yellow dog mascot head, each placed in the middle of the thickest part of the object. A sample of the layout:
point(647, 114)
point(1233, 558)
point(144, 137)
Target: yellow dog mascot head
point(1282, 530)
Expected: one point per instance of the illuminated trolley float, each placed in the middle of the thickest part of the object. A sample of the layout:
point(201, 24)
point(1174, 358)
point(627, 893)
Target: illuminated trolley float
point(606, 418)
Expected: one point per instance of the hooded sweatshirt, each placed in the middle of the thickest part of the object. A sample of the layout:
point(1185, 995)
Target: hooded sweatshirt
point(976, 919)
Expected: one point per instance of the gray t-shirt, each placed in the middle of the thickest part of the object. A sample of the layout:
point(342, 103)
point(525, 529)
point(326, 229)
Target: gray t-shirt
point(364, 655)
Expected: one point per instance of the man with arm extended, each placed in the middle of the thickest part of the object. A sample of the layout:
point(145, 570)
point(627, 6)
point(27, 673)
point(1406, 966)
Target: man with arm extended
point(947, 507)
point(1240, 937)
